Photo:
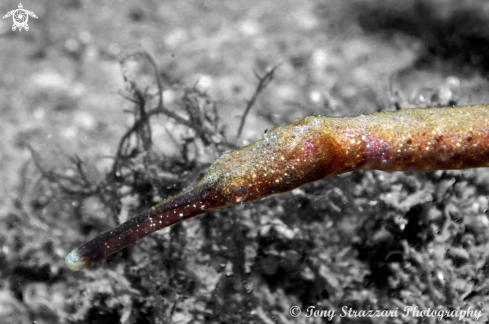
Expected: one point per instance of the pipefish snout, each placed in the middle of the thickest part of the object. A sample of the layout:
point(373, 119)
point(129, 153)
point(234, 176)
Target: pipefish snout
point(309, 150)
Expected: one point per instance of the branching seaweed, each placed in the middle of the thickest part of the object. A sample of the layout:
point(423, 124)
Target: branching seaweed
point(263, 82)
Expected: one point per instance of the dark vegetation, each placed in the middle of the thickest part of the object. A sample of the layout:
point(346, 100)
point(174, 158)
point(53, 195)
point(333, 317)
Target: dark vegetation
point(365, 240)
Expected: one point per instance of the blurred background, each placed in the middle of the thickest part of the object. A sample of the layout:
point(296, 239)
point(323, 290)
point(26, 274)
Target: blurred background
point(367, 240)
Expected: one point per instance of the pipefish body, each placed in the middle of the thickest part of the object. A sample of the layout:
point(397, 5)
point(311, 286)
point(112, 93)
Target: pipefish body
point(308, 150)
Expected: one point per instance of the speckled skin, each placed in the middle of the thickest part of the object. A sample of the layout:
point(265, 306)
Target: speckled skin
point(309, 150)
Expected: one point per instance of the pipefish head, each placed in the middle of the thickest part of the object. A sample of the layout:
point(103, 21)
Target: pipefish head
point(226, 183)
point(284, 159)
point(252, 172)
point(287, 157)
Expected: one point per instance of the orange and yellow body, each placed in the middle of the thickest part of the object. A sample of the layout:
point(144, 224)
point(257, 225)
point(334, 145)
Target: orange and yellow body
point(309, 150)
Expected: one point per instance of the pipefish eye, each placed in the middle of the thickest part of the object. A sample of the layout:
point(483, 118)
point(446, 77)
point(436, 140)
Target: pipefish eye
point(239, 190)
point(240, 193)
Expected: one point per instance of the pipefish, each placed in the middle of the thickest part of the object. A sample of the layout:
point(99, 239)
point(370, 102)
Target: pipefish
point(420, 139)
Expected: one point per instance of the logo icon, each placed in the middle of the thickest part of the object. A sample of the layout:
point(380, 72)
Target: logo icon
point(20, 17)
